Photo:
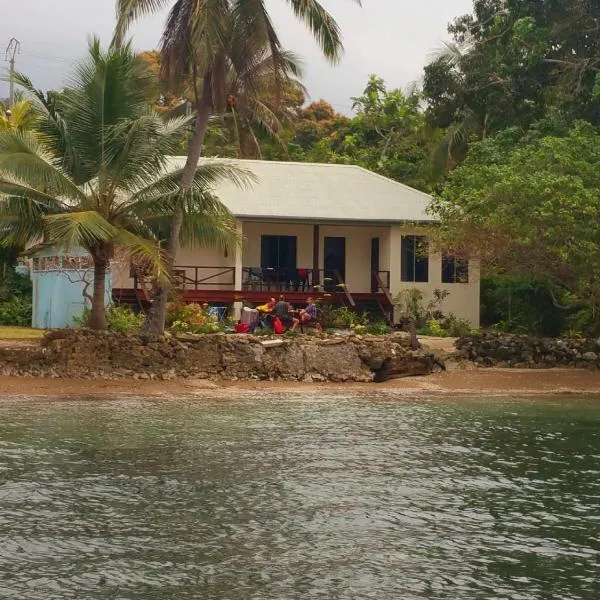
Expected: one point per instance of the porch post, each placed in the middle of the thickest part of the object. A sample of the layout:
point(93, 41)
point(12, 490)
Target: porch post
point(315, 265)
point(238, 273)
point(395, 259)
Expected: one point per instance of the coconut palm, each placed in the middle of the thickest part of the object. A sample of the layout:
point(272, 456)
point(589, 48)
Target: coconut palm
point(201, 42)
point(95, 173)
point(255, 101)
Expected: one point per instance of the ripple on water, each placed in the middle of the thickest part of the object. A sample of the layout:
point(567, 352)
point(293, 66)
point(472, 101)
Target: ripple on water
point(337, 498)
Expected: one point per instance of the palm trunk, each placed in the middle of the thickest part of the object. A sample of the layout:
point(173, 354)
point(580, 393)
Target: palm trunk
point(97, 318)
point(154, 325)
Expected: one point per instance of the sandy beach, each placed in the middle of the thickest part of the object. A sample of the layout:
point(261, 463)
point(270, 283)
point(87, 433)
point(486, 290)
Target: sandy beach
point(475, 382)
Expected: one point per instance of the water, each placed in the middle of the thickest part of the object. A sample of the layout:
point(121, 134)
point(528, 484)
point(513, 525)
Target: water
point(290, 498)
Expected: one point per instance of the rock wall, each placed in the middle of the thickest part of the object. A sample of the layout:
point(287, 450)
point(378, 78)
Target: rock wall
point(508, 350)
point(89, 354)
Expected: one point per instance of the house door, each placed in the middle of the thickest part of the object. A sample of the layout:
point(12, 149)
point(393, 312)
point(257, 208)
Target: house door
point(374, 264)
point(334, 261)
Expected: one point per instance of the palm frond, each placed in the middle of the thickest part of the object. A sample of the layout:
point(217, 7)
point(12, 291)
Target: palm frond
point(148, 251)
point(210, 230)
point(129, 11)
point(322, 25)
point(15, 188)
point(26, 158)
point(167, 188)
point(86, 229)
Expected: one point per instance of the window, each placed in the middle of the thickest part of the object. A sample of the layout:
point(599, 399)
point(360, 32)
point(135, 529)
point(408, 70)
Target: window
point(454, 270)
point(415, 258)
point(278, 252)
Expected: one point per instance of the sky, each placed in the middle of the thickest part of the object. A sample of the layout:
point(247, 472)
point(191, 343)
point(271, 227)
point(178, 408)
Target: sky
point(391, 38)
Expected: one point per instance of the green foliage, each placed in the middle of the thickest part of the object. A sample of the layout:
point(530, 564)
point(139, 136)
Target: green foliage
point(520, 304)
point(376, 328)
point(15, 295)
point(13, 284)
point(342, 317)
point(192, 318)
point(16, 311)
point(531, 210)
point(510, 64)
point(121, 319)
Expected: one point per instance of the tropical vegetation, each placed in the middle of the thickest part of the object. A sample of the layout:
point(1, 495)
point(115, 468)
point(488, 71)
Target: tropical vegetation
point(504, 132)
point(94, 173)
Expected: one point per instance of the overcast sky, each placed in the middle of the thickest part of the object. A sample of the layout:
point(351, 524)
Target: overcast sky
point(392, 38)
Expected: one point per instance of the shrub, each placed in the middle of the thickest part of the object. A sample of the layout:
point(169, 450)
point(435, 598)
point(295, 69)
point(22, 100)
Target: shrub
point(118, 318)
point(16, 312)
point(380, 328)
point(123, 319)
point(341, 317)
point(192, 318)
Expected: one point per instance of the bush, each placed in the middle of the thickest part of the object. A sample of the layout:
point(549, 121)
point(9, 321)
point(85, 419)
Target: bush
point(379, 328)
point(14, 285)
point(16, 312)
point(449, 326)
point(192, 318)
point(118, 318)
point(341, 317)
point(123, 320)
point(521, 305)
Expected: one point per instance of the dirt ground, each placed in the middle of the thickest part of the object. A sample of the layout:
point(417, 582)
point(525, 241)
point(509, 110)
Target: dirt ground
point(475, 382)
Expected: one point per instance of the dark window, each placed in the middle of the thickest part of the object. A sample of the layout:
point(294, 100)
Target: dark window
point(415, 258)
point(454, 270)
point(278, 252)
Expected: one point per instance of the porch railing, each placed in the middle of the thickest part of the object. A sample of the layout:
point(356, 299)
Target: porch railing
point(192, 277)
point(382, 280)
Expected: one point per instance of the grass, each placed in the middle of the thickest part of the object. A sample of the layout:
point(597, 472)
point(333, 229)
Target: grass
point(20, 333)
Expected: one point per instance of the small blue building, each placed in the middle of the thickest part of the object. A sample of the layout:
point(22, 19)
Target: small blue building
point(59, 279)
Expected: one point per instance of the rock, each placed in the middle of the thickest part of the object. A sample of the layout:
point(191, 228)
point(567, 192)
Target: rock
point(589, 356)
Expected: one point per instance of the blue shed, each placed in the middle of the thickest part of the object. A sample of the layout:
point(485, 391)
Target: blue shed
point(58, 282)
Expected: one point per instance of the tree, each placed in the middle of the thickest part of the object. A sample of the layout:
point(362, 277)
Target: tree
point(388, 135)
point(509, 63)
point(529, 205)
point(201, 43)
point(95, 173)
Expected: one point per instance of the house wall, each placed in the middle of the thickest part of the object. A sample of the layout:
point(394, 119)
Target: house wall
point(463, 299)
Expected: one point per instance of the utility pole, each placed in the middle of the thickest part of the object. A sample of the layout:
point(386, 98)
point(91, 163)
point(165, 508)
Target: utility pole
point(13, 48)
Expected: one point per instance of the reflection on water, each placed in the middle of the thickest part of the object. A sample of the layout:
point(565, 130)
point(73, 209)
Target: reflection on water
point(340, 498)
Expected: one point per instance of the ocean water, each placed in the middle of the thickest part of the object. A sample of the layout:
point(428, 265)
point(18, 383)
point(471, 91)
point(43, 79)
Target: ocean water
point(266, 497)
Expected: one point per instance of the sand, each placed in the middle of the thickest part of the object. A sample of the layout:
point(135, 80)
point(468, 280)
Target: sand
point(475, 382)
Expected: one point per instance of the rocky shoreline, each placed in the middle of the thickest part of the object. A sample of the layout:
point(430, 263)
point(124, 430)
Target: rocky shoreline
point(525, 351)
point(86, 354)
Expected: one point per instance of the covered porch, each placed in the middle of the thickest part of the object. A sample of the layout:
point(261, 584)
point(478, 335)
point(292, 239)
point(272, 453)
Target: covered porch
point(338, 264)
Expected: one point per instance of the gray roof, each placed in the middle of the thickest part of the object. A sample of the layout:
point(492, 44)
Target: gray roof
point(319, 192)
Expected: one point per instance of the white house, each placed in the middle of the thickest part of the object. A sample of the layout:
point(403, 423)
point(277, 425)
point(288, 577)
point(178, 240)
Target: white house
point(338, 231)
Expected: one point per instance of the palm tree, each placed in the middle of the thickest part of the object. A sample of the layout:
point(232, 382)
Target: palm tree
point(95, 173)
point(201, 42)
point(254, 101)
